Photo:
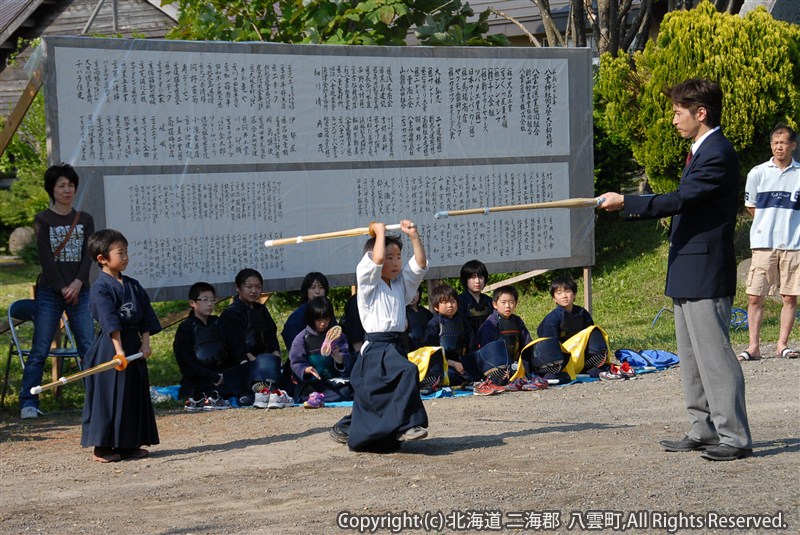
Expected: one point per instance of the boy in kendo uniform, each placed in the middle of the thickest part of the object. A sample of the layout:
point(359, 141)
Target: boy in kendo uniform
point(569, 342)
point(504, 325)
point(450, 330)
point(209, 360)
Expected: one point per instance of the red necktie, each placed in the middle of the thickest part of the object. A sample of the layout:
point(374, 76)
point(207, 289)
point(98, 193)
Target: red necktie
point(689, 158)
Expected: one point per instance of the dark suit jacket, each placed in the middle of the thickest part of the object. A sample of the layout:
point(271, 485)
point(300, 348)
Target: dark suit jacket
point(702, 262)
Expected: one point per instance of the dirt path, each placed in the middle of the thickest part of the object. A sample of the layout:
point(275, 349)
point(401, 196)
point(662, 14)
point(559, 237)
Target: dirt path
point(581, 448)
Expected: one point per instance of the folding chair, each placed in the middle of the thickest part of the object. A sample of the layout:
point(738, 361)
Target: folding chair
point(20, 312)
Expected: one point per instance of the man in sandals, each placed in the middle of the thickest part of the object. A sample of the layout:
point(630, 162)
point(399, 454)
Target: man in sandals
point(772, 196)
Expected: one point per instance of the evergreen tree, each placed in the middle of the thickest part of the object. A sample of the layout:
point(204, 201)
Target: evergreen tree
point(756, 60)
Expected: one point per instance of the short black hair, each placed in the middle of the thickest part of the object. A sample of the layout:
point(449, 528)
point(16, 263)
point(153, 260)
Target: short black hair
point(317, 309)
point(245, 274)
point(309, 280)
point(780, 127)
point(389, 240)
point(507, 289)
point(472, 268)
point(100, 242)
point(199, 287)
point(563, 282)
point(698, 93)
point(54, 172)
point(442, 292)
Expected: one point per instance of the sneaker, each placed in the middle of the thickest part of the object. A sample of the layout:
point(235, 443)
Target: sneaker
point(515, 385)
point(194, 405)
point(536, 383)
point(625, 369)
point(331, 336)
point(261, 399)
point(29, 413)
point(315, 401)
point(261, 385)
point(279, 399)
point(610, 375)
point(487, 388)
point(415, 433)
point(216, 403)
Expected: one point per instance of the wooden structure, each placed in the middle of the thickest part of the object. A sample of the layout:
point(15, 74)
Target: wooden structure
point(28, 19)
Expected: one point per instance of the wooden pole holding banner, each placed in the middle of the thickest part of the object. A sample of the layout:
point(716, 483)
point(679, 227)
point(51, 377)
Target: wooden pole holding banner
point(20, 109)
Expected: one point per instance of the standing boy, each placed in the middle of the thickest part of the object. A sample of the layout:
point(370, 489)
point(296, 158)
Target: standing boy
point(772, 196)
point(701, 273)
point(387, 407)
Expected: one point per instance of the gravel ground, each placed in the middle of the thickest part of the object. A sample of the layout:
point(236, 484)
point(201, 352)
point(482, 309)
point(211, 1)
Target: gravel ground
point(584, 454)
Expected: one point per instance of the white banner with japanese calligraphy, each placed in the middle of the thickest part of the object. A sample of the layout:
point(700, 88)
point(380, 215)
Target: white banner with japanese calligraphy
point(199, 152)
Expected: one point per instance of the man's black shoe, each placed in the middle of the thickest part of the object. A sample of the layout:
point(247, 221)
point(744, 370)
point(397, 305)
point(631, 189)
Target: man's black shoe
point(686, 444)
point(723, 452)
point(337, 434)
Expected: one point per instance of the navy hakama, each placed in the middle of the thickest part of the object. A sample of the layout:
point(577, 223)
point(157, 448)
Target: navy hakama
point(387, 400)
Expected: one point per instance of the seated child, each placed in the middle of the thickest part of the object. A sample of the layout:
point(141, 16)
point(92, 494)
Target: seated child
point(503, 324)
point(474, 305)
point(572, 343)
point(314, 284)
point(450, 330)
point(387, 407)
point(212, 365)
point(418, 318)
point(247, 321)
point(319, 354)
point(351, 325)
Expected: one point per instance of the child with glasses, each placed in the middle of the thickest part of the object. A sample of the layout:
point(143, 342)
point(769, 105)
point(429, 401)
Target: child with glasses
point(212, 365)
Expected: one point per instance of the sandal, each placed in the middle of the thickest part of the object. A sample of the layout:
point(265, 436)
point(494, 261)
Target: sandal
point(106, 455)
point(789, 353)
point(133, 453)
point(745, 356)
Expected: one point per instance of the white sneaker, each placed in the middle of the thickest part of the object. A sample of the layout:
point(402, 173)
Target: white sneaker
point(262, 399)
point(29, 413)
point(279, 399)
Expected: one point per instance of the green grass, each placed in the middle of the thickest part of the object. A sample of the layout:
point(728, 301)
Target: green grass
point(628, 291)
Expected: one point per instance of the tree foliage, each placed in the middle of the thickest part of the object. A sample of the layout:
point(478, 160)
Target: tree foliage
point(26, 158)
point(756, 60)
point(342, 22)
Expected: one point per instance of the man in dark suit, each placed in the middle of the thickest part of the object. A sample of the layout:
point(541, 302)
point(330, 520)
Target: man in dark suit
point(701, 273)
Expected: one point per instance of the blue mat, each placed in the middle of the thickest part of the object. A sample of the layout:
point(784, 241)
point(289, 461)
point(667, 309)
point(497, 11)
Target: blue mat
point(172, 391)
